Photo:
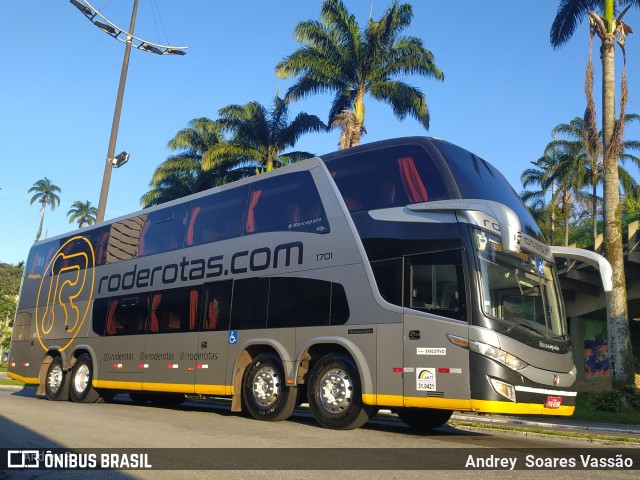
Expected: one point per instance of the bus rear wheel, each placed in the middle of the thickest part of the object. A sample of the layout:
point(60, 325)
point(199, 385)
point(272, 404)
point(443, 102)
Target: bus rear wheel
point(56, 385)
point(265, 392)
point(335, 395)
point(424, 419)
point(80, 388)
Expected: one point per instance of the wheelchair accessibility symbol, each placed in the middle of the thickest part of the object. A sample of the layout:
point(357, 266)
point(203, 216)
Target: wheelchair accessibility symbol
point(233, 337)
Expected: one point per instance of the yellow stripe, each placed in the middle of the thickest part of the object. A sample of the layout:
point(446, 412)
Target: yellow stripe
point(481, 406)
point(222, 390)
point(487, 406)
point(20, 378)
point(117, 385)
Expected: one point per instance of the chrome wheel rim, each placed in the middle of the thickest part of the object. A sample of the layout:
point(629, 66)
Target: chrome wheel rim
point(335, 390)
point(81, 378)
point(54, 379)
point(266, 386)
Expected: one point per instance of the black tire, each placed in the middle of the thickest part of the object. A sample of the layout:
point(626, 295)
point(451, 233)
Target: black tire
point(80, 388)
point(335, 396)
point(56, 383)
point(424, 419)
point(264, 389)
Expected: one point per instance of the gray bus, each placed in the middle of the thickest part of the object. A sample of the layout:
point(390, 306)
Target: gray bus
point(404, 274)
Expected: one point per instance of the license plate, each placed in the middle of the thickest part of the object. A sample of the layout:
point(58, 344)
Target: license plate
point(553, 402)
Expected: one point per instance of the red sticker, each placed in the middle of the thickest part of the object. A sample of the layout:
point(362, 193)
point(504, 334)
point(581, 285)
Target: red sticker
point(553, 402)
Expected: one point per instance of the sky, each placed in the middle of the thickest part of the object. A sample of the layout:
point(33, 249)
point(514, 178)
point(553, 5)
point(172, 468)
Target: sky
point(505, 89)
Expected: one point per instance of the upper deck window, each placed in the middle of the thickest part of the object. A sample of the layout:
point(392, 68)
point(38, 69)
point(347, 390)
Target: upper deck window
point(388, 177)
point(477, 178)
point(217, 217)
point(164, 230)
point(285, 203)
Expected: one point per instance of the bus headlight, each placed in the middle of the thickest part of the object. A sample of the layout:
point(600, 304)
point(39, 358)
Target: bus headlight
point(497, 354)
point(504, 389)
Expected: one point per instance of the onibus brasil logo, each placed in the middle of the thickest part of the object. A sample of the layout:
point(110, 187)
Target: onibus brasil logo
point(65, 292)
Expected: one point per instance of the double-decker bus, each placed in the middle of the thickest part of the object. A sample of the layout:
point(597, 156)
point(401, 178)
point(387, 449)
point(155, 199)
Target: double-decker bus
point(404, 274)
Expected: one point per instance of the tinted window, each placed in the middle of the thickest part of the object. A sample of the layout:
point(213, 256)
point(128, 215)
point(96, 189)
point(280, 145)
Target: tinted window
point(388, 274)
point(249, 308)
point(339, 305)
point(217, 217)
point(388, 177)
point(435, 283)
point(164, 230)
point(287, 202)
point(128, 315)
point(174, 310)
point(299, 302)
point(39, 257)
point(477, 178)
point(99, 317)
point(217, 305)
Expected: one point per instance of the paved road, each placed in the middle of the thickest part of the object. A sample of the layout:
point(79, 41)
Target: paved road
point(30, 422)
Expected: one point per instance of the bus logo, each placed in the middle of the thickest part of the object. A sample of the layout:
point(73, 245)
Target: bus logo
point(65, 293)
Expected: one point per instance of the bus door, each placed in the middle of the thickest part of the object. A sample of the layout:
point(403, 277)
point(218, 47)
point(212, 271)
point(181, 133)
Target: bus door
point(169, 361)
point(126, 323)
point(214, 339)
point(435, 370)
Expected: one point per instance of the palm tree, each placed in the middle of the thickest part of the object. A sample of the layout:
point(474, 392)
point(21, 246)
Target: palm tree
point(83, 213)
point(182, 174)
point(45, 193)
point(340, 57)
point(547, 174)
point(587, 166)
point(609, 29)
point(260, 136)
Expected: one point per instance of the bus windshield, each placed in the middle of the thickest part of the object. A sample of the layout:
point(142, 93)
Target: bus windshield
point(520, 290)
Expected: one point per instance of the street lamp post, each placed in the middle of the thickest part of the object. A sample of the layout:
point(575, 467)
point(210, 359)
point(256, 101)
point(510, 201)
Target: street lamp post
point(129, 40)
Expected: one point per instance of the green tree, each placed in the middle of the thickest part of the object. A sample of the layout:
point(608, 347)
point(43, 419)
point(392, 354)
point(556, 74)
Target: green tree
point(586, 164)
point(341, 58)
point(45, 193)
point(609, 30)
point(259, 137)
point(182, 174)
point(547, 175)
point(10, 276)
point(83, 213)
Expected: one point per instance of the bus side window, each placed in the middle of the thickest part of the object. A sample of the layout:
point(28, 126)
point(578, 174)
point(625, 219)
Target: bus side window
point(174, 310)
point(164, 230)
point(217, 217)
point(250, 299)
point(299, 302)
point(288, 202)
point(435, 283)
point(217, 306)
point(128, 315)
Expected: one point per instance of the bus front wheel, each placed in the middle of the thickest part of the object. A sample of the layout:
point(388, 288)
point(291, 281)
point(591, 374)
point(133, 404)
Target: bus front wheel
point(266, 395)
point(335, 395)
point(56, 385)
point(424, 419)
point(80, 388)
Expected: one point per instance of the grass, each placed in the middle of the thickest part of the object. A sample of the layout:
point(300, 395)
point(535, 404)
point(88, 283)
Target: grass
point(584, 411)
point(539, 431)
point(8, 381)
